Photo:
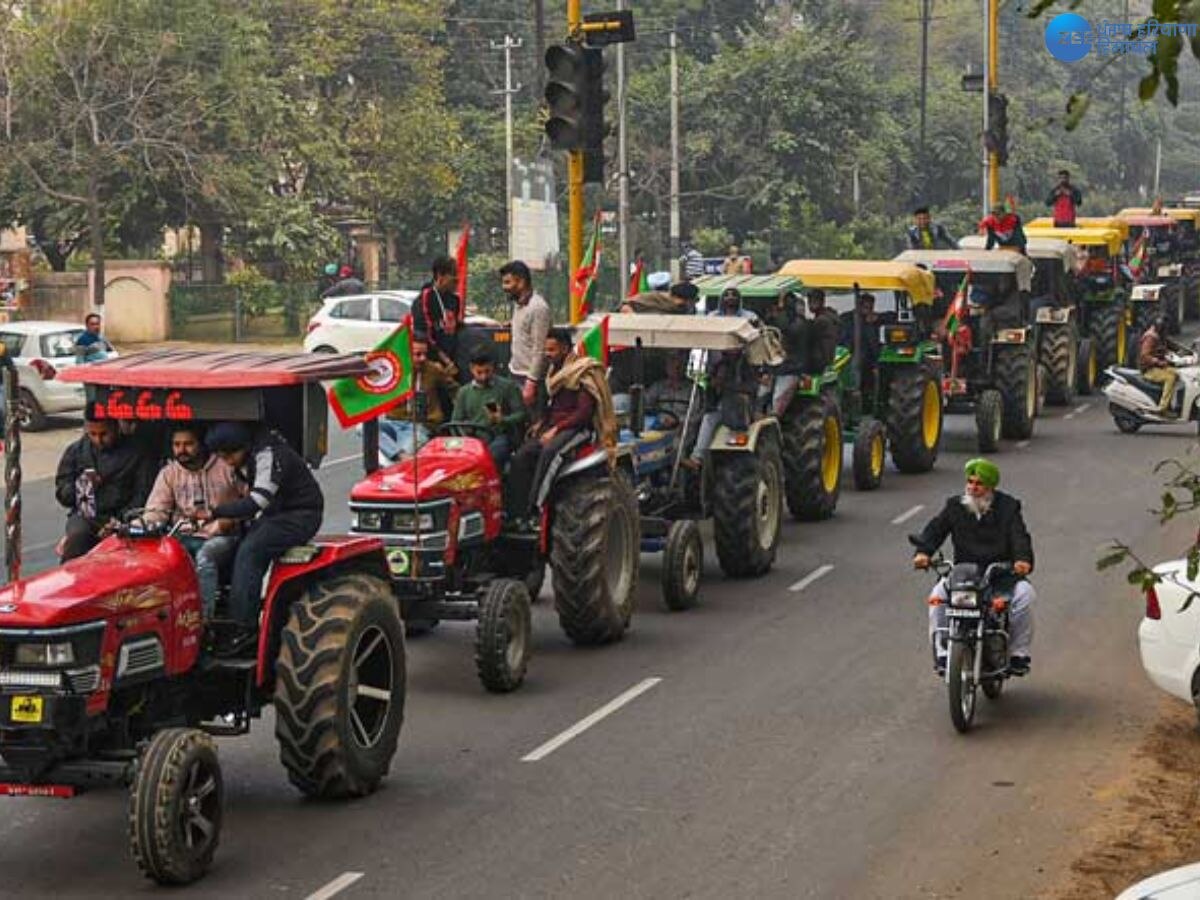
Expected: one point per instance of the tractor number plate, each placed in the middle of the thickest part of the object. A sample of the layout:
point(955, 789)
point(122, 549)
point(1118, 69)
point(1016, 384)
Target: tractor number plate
point(963, 613)
point(27, 710)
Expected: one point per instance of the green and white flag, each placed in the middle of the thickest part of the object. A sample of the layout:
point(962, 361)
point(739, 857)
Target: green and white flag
point(390, 383)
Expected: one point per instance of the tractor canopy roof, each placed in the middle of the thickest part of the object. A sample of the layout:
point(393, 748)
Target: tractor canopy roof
point(867, 275)
point(1182, 214)
point(1037, 248)
point(990, 262)
point(1082, 237)
point(751, 286)
point(1117, 223)
point(665, 332)
point(1148, 221)
point(199, 369)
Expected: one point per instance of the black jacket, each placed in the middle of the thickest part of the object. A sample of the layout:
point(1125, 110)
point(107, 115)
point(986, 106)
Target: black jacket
point(1000, 536)
point(279, 482)
point(793, 333)
point(126, 476)
point(428, 319)
point(822, 340)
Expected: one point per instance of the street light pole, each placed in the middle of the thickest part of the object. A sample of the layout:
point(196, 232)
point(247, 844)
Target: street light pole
point(508, 46)
point(993, 80)
point(574, 179)
point(622, 167)
point(675, 229)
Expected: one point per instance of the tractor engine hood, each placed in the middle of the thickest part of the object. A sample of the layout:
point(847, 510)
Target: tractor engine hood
point(118, 576)
point(445, 467)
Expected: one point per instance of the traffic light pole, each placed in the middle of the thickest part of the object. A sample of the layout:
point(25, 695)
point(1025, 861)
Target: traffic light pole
point(574, 180)
point(993, 85)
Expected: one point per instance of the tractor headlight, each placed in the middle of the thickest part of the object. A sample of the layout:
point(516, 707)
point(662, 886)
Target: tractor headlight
point(405, 522)
point(964, 599)
point(370, 520)
point(44, 655)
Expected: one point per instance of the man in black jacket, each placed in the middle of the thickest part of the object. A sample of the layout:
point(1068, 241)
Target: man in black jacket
point(437, 314)
point(100, 477)
point(283, 505)
point(985, 526)
point(788, 316)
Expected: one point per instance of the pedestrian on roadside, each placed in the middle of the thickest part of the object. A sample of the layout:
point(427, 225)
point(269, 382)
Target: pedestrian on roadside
point(531, 324)
point(1064, 200)
point(347, 285)
point(91, 345)
point(692, 262)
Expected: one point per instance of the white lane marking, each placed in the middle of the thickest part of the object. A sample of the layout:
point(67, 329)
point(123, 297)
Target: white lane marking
point(1022, 445)
point(1082, 407)
point(34, 548)
point(336, 886)
point(811, 577)
point(908, 514)
point(342, 460)
point(584, 724)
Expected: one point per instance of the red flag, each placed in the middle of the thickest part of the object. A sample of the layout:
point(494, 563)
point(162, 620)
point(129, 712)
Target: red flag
point(460, 261)
point(583, 282)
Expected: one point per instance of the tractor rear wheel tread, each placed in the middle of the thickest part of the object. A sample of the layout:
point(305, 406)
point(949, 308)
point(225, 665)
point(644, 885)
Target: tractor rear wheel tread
point(1060, 357)
point(1014, 367)
point(804, 449)
point(743, 549)
point(906, 422)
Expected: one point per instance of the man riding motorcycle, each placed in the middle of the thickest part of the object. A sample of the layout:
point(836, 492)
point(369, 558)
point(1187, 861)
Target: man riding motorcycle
point(985, 526)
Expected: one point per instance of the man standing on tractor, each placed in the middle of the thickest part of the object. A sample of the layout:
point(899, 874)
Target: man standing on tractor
point(823, 335)
point(985, 526)
point(192, 481)
point(869, 345)
point(283, 506)
point(788, 317)
point(494, 403)
point(1064, 200)
point(100, 477)
point(531, 322)
point(925, 234)
point(579, 401)
point(402, 431)
point(1003, 227)
point(437, 313)
point(1156, 366)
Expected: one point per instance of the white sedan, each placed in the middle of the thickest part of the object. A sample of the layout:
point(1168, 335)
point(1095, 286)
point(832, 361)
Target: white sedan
point(40, 350)
point(360, 322)
point(1169, 635)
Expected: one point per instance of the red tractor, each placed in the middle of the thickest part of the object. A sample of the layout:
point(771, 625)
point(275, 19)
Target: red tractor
point(103, 671)
point(451, 556)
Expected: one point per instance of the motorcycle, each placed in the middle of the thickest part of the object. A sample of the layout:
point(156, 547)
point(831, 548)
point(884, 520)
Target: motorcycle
point(977, 633)
point(1133, 401)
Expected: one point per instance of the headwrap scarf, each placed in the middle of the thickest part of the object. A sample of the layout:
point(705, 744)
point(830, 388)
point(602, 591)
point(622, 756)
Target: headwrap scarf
point(985, 470)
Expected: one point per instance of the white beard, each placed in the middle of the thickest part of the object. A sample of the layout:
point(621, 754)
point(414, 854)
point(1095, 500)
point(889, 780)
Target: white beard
point(977, 506)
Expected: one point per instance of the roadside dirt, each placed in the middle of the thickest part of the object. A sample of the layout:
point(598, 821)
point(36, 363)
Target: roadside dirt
point(1151, 820)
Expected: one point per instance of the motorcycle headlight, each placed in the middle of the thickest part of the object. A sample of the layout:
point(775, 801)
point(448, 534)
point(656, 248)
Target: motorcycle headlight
point(44, 655)
point(964, 599)
point(371, 520)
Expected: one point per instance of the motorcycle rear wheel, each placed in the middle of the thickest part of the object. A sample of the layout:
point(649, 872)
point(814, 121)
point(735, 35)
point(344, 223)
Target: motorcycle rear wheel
point(961, 682)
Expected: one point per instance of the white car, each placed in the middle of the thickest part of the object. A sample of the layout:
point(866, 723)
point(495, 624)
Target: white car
point(40, 350)
point(1175, 884)
point(1169, 635)
point(358, 323)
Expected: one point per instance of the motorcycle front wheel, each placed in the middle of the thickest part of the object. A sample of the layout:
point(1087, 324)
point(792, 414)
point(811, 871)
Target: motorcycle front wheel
point(960, 678)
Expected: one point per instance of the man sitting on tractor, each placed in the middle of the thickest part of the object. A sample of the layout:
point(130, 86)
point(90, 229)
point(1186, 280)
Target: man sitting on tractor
point(401, 431)
point(493, 402)
point(100, 477)
point(788, 317)
point(668, 398)
point(283, 505)
point(579, 400)
point(193, 480)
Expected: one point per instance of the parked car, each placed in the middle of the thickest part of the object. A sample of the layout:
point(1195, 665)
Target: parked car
point(40, 351)
point(1169, 635)
point(1175, 884)
point(358, 322)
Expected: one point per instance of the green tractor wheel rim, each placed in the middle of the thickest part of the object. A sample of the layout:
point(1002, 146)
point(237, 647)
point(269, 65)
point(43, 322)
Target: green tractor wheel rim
point(931, 415)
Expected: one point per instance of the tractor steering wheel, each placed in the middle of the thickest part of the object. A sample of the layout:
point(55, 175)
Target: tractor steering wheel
point(466, 429)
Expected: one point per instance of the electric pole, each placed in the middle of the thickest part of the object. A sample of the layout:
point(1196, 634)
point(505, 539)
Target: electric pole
point(622, 168)
point(925, 13)
point(675, 235)
point(508, 46)
point(993, 33)
point(539, 41)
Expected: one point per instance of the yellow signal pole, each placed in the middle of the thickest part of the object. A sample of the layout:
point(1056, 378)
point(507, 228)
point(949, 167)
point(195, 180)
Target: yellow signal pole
point(993, 49)
point(574, 180)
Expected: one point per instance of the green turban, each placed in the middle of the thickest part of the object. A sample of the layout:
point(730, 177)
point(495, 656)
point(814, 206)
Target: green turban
point(331, 269)
point(985, 470)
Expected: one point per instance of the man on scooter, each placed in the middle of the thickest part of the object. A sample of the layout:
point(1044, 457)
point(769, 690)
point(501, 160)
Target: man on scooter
point(985, 526)
point(1156, 366)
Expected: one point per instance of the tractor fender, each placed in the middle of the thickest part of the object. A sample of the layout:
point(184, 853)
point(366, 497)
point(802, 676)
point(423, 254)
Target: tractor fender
point(729, 440)
point(301, 566)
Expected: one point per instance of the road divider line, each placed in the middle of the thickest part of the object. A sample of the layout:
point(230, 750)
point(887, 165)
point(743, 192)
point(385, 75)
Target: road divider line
point(336, 886)
point(341, 461)
point(1081, 408)
point(584, 724)
point(908, 514)
point(811, 577)
point(1022, 445)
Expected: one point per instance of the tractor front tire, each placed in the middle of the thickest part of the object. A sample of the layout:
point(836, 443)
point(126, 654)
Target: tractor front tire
point(1109, 334)
point(869, 446)
point(682, 566)
point(594, 558)
point(747, 509)
point(1089, 367)
point(914, 422)
point(503, 635)
point(340, 687)
point(1060, 356)
point(1016, 375)
point(812, 458)
point(989, 420)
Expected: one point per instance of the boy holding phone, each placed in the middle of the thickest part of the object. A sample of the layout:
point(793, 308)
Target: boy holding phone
point(493, 402)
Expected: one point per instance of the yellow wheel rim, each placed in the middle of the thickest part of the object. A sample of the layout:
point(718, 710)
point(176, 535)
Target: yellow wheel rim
point(1091, 367)
point(831, 456)
point(877, 456)
point(1121, 337)
point(931, 415)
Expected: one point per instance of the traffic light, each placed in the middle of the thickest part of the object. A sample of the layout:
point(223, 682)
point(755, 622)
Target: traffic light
point(996, 139)
point(594, 129)
point(565, 89)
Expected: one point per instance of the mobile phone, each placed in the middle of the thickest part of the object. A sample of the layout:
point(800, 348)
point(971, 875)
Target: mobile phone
point(492, 406)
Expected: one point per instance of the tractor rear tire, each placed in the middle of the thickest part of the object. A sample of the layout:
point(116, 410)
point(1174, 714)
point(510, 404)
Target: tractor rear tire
point(1089, 367)
point(1060, 356)
point(914, 429)
point(340, 687)
point(682, 566)
point(503, 635)
point(869, 446)
point(989, 419)
point(1109, 334)
point(1173, 306)
point(594, 558)
point(812, 458)
point(1144, 315)
point(747, 509)
point(175, 806)
point(1016, 375)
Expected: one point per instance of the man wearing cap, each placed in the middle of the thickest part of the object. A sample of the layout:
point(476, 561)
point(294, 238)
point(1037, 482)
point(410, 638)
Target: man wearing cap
point(346, 286)
point(531, 322)
point(494, 403)
point(283, 505)
point(985, 526)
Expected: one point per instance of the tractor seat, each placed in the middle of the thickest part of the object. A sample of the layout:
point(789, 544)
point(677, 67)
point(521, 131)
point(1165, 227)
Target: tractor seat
point(1134, 377)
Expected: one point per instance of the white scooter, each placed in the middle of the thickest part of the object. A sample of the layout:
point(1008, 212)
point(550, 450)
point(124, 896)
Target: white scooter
point(1133, 401)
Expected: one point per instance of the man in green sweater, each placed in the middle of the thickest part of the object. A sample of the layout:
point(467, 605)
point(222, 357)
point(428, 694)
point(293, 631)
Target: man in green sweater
point(493, 402)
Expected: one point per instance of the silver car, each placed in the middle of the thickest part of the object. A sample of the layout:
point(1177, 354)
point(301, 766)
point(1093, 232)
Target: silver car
point(40, 350)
